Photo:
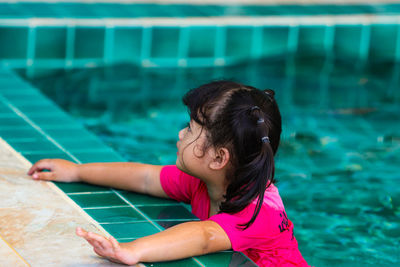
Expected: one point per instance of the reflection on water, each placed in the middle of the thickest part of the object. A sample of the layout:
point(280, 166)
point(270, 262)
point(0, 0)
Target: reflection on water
point(338, 163)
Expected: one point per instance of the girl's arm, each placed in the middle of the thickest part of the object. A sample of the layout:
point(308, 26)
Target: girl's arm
point(178, 242)
point(137, 177)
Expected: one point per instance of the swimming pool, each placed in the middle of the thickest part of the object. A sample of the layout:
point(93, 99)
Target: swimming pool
point(339, 157)
point(338, 163)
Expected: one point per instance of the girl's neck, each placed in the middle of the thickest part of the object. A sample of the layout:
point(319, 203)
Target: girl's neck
point(216, 193)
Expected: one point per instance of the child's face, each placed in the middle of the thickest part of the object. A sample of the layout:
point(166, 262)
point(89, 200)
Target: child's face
point(191, 157)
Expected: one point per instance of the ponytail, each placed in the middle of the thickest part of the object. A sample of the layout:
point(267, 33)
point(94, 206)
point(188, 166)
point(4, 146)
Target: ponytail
point(247, 122)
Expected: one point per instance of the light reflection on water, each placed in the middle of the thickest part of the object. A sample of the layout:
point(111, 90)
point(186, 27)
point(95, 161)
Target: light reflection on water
point(338, 163)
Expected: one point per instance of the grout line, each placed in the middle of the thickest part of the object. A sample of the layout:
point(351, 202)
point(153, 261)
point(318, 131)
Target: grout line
point(89, 193)
point(38, 128)
point(223, 3)
point(108, 207)
point(11, 247)
point(112, 223)
point(136, 209)
point(353, 19)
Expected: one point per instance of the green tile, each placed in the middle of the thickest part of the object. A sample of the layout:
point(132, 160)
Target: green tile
point(274, 40)
point(23, 90)
point(226, 258)
point(202, 41)
point(20, 133)
point(239, 41)
point(34, 157)
point(50, 42)
point(169, 212)
point(80, 188)
point(28, 106)
point(112, 215)
point(5, 110)
point(347, 41)
point(311, 40)
point(83, 143)
point(31, 96)
point(89, 42)
point(93, 200)
point(179, 263)
point(7, 123)
point(165, 42)
point(13, 42)
point(383, 51)
point(127, 44)
point(141, 199)
point(125, 240)
point(77, 133)
point(98, 156)
point(169, 223)
point(33, 146)
point(130, 230)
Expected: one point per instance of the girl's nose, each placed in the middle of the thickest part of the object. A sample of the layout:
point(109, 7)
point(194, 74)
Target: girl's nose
point(181, 133)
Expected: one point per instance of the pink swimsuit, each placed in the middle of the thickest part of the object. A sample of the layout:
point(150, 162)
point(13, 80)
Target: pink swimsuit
point(269, 241)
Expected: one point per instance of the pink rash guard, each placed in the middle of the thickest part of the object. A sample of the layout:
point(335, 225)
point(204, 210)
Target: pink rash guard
point(269, 241)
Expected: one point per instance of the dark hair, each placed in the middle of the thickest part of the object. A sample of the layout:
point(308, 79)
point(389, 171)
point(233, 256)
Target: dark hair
point(247, 122)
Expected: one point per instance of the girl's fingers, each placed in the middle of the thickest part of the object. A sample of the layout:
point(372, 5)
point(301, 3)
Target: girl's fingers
point(114, 243)
point(99, 242)
point(47, 176)
point(40, 165)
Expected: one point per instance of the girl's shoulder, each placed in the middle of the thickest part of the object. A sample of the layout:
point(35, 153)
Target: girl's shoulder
point(272, 199)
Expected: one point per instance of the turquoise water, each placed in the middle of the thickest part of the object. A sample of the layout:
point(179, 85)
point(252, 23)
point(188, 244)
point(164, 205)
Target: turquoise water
point(338, 163)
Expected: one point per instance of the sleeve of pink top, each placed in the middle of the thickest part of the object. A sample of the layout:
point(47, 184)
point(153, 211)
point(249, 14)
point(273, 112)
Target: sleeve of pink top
point(176, 184)
point(240, 239)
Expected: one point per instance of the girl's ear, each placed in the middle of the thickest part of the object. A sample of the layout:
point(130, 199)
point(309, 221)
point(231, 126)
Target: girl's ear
point(220, 158)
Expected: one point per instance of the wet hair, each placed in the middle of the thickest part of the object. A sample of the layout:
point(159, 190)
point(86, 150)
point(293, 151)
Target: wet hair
point(247, 122)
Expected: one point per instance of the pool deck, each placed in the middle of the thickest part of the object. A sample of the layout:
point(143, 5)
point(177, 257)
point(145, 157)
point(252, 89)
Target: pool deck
point(38, 220)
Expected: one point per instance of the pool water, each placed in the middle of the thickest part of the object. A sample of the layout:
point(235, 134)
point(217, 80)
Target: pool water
point(338, 163)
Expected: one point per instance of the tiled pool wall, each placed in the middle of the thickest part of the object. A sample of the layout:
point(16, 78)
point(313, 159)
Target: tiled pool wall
point(41, 48)
point(42, 37)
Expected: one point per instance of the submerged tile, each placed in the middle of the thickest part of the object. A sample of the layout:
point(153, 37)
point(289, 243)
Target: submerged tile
point(274, 40)
point(142, 199)
point(178, 263)
point(87, 44)
point(80, 188)
point(383, 51)
point(169, 223)
point(127, 44)
point(165, 42)
point(115, 215)
point(51, 42)
point(239, 41)
point(202, 47)
point(14, 42)
point(226, 258)
point(169, 212)
point(312, 40)
point(92, 200)
point(99, 156)
point(34, 157)
point(130, 230)
point(33, 145)
point(347, 42)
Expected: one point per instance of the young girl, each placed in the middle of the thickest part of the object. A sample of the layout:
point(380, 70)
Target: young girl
point(224, 169)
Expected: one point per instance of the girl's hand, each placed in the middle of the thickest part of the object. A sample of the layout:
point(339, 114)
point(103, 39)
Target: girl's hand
point(108, 247)
point(59, 170)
